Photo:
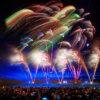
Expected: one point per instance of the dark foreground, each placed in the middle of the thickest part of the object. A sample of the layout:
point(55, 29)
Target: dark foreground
point(58, 93)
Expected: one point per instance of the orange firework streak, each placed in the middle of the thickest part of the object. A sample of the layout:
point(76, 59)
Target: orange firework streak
point(95, 69)
point(84, 66)
point(26, 65)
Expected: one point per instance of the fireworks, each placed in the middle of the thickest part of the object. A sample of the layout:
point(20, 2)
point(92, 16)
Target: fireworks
point(48, 22)
point(94, 60)
point(65, 57)
point(43, 27)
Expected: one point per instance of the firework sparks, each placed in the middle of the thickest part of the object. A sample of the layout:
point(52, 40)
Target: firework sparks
point(94, 60)
point(42, 27)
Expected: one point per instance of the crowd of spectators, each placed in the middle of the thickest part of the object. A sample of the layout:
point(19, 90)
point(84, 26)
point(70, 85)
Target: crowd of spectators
point(54, 93)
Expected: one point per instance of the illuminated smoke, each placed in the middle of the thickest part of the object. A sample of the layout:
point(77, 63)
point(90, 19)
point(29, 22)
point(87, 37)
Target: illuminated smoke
point(39, 57)
point(16, 57)
point(65, 57)
point(94, 58)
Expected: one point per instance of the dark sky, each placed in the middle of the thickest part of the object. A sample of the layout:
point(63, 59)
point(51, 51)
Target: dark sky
point(7, 7)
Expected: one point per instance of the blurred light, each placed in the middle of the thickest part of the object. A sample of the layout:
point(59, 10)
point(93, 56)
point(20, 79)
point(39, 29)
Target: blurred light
point(44, 98)
point(32, 82)
point(29, 82)
point(64, 81)
point(59, 82)
point(91, 82)
point(47, 82)
point(79, 38)
point(86, 82)
point(87, 44)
